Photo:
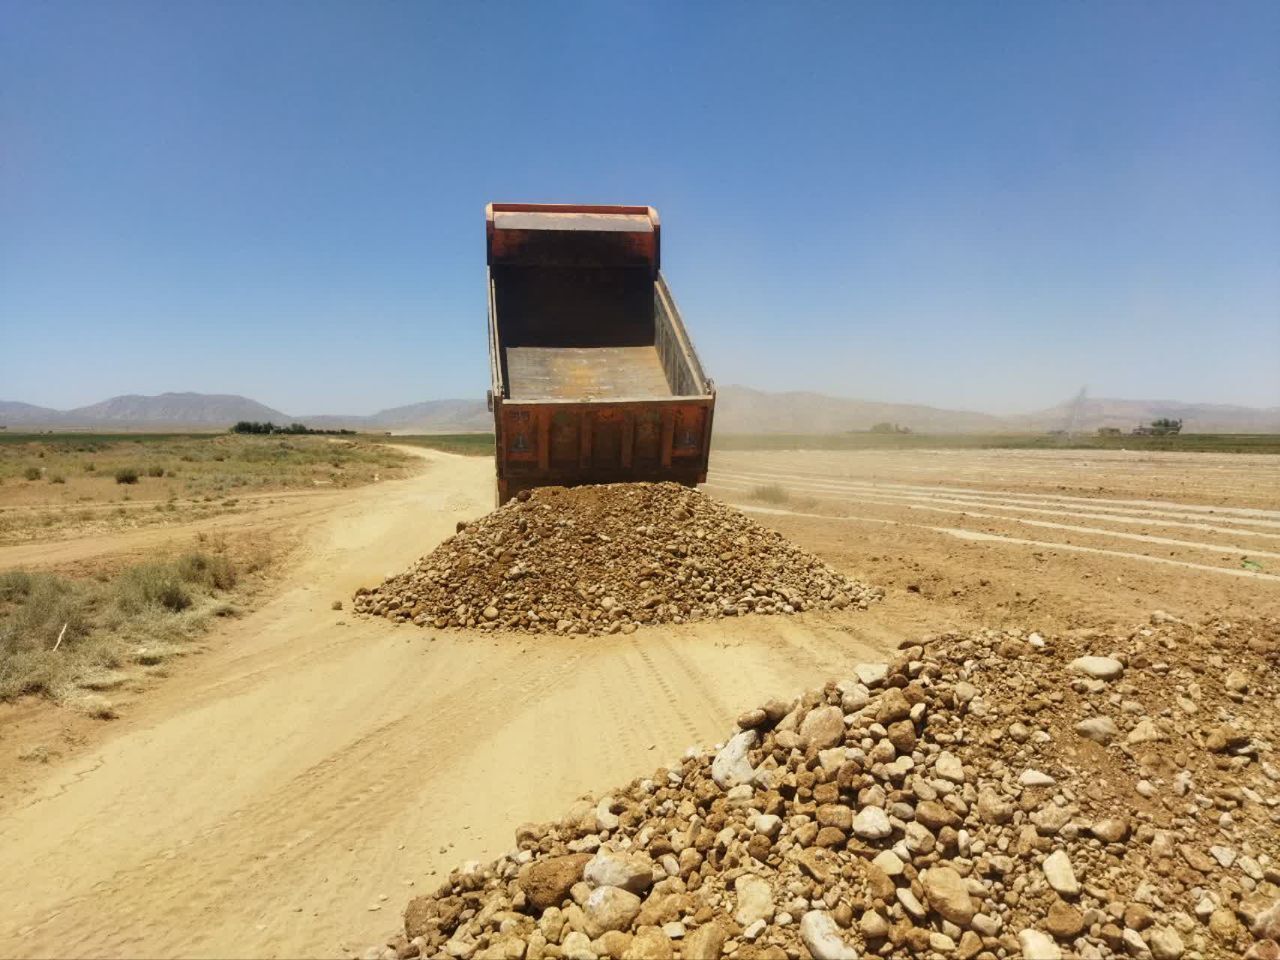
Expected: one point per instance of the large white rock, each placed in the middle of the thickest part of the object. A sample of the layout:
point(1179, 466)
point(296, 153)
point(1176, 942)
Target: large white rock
point(872, 823)
point(821, 935)
point(1100, 668)
point(1038, 946)
point(871, 675)
point(755, 899)
point(627, 871)
point(609, 908)
point(731, 767)
point(949, 767)
point(1059, 873)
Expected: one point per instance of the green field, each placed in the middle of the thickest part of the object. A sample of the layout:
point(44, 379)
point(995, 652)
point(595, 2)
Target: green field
point(1182, 443)
point(467, 444)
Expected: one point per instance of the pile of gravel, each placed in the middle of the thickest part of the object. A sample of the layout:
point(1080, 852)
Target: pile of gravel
point(986, 795)
point(602, 559)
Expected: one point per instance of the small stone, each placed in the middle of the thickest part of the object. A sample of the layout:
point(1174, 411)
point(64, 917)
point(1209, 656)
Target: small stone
point(1236, 682)
point(889, 862)
point(1038, 946)
point(822, 936)
point(873, 926)
point(935, 816)
point(547, 882)
point(1134, 944)
point(893, 706)
point(1064, 921)
point(577, 946)
point(707, 941)
point(1146, 731)
point(1098, 729)
point(1034, 778)
point(948, 895)
point(650, 943)
point(1263, 917)
point(1100, 668)
point(871, 675)
point(1165, 944)
point(1224, 738)
point(910, 903)
point(993, 807)
point(1110, 829)
point(1224, 855)
point(629, 872)
point(731, 766)
point(823, 727)
point(769, 825)
point(755, 900)
point(609, 908)
point(872, 823)
point(949, 767)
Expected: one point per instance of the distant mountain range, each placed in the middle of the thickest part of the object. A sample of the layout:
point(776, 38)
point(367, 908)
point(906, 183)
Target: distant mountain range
point(738, 410)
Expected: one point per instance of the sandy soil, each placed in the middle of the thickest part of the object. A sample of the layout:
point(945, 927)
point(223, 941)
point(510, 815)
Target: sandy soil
point(267, 798)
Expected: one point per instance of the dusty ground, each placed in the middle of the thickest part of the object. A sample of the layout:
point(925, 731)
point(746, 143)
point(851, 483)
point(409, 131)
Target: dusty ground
point(265, 799)
point(61, 486)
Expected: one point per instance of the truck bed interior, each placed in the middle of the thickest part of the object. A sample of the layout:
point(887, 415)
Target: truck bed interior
point(575, 373)
point(578, 333)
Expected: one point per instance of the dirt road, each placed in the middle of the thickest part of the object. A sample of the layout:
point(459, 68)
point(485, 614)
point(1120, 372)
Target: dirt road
point(277, 795)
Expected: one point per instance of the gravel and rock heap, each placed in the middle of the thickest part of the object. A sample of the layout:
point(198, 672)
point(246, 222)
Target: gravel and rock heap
point(991, 795)
point(603, 559)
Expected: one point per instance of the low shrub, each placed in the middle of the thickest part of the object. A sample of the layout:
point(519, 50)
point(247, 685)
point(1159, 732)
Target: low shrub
point(155, 471)
point(31, 473)
point(771, 493)
point(36, 609)
point(127, 475)
point(57, 478)
point(211, 571)
point(152, 585)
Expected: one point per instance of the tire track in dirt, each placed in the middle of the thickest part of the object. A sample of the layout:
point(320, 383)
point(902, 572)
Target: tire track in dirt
point(961, 534)
point(1073, 528)
point(671, 702)
point(1100, 477)
point(342, 798)
point(1071, 506)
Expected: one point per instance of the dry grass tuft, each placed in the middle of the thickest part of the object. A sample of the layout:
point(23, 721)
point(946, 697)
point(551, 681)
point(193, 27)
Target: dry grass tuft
point(771, 493)
point(58, 631)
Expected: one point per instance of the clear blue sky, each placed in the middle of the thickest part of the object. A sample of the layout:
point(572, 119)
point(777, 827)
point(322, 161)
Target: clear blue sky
point(982, 205)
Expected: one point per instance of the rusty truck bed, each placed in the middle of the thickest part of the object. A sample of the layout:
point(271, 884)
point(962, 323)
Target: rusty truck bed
point(585, 373)
point(594, 378)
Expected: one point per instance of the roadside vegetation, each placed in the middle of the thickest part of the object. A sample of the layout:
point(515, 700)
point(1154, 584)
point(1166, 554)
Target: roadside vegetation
point(878, 440)
point(467, 444)
point(774, 493)
point(62, 637)
point(73, 484)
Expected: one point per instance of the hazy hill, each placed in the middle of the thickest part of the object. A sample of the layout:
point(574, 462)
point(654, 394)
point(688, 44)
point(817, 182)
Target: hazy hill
point(431, 416)
point(1126, 414)
point(187, 409)
point(738, 410)
point(14, 413)
point(743, 410)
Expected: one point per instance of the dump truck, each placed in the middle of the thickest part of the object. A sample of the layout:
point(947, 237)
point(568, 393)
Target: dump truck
point(594, 378)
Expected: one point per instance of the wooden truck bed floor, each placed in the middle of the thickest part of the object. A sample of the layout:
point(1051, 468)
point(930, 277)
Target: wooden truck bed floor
point(574, 373)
